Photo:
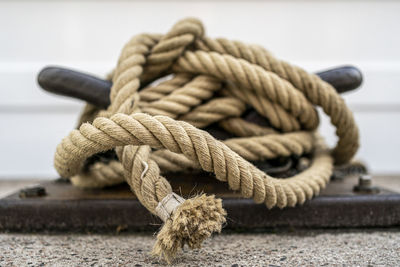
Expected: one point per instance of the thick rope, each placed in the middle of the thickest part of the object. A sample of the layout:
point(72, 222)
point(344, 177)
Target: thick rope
point(155, 129)
point(317, 91)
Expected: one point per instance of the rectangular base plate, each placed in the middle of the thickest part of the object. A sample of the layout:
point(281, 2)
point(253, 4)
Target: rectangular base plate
point(67, 208)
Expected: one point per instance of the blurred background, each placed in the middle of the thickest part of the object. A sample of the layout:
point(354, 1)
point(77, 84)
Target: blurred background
point(88, 36)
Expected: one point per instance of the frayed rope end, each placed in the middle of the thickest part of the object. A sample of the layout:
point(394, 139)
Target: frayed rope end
point(191, 223)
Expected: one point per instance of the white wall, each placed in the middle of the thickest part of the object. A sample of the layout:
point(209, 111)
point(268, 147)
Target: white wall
point(89, 35)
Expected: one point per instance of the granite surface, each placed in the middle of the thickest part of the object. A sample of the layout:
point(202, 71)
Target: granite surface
point(305, 248)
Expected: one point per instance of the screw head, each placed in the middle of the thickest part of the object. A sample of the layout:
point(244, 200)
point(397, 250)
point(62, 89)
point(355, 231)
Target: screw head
point(365, 185)
point(365, 180)
point(32, 191)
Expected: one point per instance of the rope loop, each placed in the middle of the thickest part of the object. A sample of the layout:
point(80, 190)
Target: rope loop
point(159, 128)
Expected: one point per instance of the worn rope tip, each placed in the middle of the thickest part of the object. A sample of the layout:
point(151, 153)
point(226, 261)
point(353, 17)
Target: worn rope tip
point(191, 222)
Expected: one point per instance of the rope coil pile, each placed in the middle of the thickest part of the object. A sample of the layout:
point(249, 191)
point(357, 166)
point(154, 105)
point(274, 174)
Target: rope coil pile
point(157, 128)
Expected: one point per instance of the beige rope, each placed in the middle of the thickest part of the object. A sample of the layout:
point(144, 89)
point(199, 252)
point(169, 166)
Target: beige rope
point(156, 129)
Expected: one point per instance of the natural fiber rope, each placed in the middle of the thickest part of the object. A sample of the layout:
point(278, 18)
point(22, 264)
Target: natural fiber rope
point(157, 129)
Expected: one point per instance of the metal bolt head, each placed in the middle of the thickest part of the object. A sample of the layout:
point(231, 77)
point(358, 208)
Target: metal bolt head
point(365, 185)
point(365, 180)
point(32, 191)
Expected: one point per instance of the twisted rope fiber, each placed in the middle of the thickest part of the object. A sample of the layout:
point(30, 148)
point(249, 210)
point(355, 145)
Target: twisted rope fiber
point(156, 129)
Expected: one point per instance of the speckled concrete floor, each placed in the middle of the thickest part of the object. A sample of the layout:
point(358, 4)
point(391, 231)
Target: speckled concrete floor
point(316, 248)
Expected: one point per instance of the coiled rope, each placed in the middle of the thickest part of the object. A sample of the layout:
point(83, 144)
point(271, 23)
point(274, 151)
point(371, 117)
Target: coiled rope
point(156, 129)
